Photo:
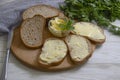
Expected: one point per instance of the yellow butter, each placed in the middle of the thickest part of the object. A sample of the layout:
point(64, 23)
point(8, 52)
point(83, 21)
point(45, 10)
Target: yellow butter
point(89, 30)
point(53, 51)
point(55, 23)
point(79, 47)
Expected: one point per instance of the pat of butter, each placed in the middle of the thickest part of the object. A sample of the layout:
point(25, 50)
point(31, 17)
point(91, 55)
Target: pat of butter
point(89, 30)
point(55, 23)
point(58, 20)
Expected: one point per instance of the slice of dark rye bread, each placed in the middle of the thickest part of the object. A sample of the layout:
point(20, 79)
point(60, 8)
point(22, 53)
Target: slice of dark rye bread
point(31, 31)
point(46, 11)
point(53, 52)
point(79, 47)
point(90, 31)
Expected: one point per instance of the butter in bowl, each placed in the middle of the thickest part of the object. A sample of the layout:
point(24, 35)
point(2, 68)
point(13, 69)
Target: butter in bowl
point(60, 27)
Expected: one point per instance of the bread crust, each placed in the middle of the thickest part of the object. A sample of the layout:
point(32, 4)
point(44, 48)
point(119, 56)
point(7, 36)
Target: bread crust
point(44, 23)
point(42, 63)
point(41, 5)
point(85, 58)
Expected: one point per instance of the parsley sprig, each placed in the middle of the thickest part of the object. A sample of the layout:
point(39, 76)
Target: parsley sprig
point(103, 12)
point(66, 25)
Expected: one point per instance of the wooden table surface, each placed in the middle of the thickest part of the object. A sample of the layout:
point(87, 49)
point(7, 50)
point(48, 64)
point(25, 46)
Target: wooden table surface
point(103, 65)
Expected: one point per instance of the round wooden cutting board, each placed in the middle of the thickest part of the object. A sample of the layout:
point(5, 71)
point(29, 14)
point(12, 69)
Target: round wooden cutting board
point(30, 56)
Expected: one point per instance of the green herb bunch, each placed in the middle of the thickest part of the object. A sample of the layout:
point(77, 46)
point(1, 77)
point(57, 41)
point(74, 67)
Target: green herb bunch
point(67, 25)
point(103, 12)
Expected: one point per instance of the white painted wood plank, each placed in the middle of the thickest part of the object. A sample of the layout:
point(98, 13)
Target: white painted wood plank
point(2, 54)
point(107, 53)
point(1, 66)
point(1, 60)
point(12, 59)
point(111, 37)
point(3, 38)
point(3, 45)
point(86, 72)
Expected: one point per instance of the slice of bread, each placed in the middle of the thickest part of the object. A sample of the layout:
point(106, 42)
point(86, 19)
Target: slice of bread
point(80, 48)
point(44, 10)
point(31, 31)
point(53, 52)
point(89, 30)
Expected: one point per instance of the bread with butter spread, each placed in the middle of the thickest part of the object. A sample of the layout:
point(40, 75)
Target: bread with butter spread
point(89, 30)
point(53, 52)
point(80, 48)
